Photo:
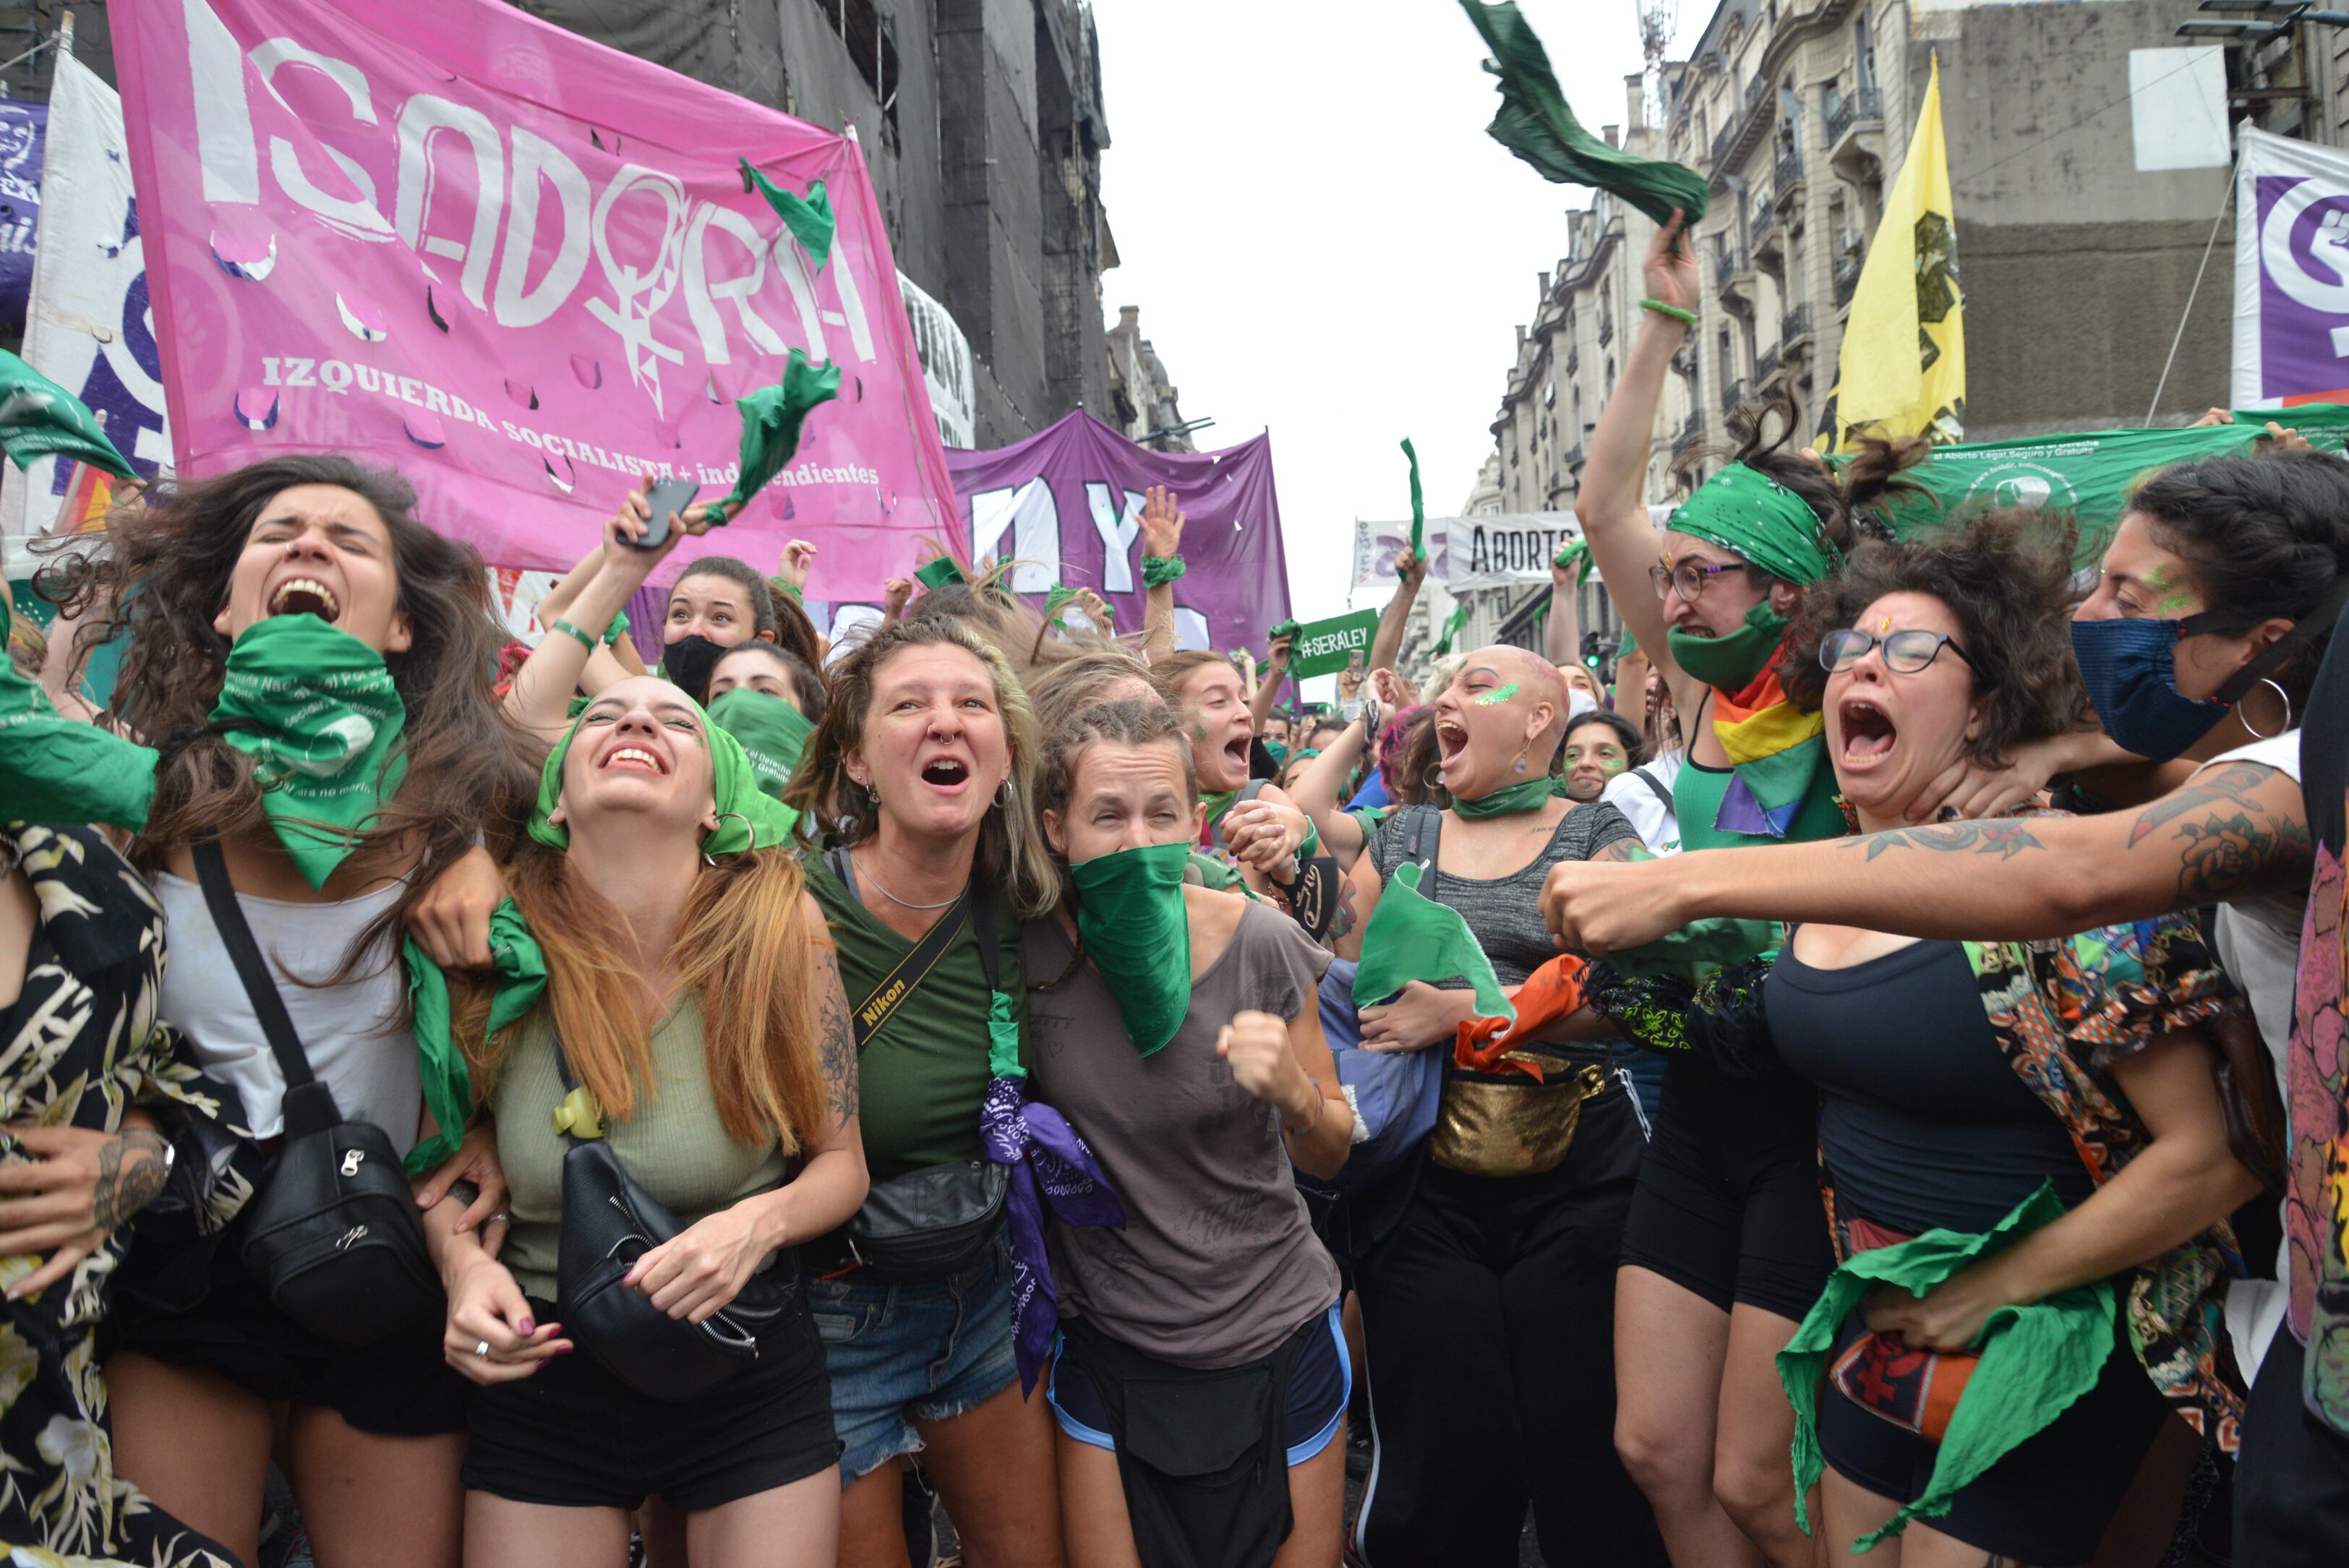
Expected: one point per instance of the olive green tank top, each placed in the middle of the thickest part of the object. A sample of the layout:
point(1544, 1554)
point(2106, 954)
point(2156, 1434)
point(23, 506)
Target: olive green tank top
point(673, 1146)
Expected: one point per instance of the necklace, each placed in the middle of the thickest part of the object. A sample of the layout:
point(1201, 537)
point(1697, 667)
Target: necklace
point(866, 872)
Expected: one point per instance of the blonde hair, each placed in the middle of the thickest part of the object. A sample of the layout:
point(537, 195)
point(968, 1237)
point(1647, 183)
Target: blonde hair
point(745, 954)
point(1011, 853)
point(1077, 683)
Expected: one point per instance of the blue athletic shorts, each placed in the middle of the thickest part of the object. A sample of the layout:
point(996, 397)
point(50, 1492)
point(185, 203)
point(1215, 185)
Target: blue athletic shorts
point(1319, 1388)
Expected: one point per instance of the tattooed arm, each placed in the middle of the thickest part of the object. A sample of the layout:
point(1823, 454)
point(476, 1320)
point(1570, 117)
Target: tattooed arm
point(77, 1185)
point(2235, 831)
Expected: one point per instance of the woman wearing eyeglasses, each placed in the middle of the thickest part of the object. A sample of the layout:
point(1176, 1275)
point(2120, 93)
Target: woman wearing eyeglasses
point(2065, 1083)
point(1726, 1248)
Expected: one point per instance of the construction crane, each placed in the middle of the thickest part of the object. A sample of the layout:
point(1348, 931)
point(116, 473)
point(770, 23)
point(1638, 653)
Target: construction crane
point(1656, 28)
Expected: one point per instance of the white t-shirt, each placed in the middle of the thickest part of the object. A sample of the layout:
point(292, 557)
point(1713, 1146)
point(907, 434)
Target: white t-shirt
point(2258, 942)
point(354, 1033)
point(1652, 816)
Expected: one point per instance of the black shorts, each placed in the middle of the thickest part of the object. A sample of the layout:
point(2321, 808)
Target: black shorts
point(2048, 1500)
point(570, 1435)
point(2291, 1479)
point(1728, 1203)
point(397, 1387)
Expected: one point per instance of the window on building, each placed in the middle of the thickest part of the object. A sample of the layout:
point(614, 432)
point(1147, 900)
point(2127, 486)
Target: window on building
point(872, 43)
point(1863, 51)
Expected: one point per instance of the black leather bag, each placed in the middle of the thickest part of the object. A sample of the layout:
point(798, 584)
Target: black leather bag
point(333, 1235)
point(941, 1219)
point(608, 1222)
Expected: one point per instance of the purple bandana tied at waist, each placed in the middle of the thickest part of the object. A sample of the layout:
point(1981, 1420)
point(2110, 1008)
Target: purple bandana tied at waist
point(1047, 1160)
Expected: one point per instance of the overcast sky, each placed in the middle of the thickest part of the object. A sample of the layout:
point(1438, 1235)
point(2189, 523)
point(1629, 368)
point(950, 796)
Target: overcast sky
point(1325, 243)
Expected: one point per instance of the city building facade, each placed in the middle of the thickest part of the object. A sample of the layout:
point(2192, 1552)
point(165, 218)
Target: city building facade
point(1142, 401)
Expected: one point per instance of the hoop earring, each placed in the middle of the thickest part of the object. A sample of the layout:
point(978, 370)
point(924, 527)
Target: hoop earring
point(707, 857)
point(873, 795)
point(2243, 712)
point(1004, 796)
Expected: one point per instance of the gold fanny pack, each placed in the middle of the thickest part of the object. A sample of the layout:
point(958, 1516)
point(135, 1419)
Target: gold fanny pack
point(1512, 1127)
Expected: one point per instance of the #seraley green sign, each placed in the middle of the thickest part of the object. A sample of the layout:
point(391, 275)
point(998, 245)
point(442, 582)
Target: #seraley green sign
point(1322, 647)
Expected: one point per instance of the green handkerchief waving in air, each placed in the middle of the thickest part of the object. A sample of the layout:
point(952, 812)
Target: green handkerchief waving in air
point(38, 418)
point(60, 770)
point(1412, 937)
point(809, 217)
point(771, 417)
point(1536, 124)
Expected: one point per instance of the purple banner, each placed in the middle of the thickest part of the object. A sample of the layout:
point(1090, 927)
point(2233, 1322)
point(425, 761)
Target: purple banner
point(1066, 504)
point(24, 127)
point(2292, 272)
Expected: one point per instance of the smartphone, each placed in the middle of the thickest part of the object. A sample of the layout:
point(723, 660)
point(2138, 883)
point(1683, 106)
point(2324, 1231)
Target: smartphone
point(666, 496)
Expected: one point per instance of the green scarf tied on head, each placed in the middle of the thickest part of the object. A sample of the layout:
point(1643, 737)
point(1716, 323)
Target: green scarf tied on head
point(771, 418)
point(1730, 662)
point(1129, 908)
point(773, 732)
point(748, 819)
point(321, 718)
point(1753, 516)
point(1531, 795)
point(1412, 937)
point(2037, 1359)
point(59, 771)
point(521, 970)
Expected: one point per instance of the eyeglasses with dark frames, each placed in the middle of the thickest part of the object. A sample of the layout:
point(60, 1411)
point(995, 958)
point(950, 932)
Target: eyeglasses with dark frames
point(1688, 577)
point(1906, 652)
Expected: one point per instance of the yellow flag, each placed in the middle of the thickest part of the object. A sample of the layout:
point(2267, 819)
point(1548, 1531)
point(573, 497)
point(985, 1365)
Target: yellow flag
point(1902, 370)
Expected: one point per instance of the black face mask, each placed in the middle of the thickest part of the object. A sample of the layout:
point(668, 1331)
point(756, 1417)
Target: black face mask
point(687, 663)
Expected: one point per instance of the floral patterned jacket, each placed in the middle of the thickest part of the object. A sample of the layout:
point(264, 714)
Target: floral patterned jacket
point(2063, 1012)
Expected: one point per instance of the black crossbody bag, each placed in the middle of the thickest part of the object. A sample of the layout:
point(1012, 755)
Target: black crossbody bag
point(941, 1219)
point(608, 1222)
point(333, 1234)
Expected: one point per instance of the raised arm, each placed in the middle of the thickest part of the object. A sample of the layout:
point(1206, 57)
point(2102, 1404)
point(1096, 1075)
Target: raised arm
point(1268, 688)
point(1612, 503)
point(1162, 537)
point(1562, 634)
point(2236, 830)
point(1323, 781)
point(1387, 641)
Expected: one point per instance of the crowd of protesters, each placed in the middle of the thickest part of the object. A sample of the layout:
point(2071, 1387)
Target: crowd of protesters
point(1872, 1077)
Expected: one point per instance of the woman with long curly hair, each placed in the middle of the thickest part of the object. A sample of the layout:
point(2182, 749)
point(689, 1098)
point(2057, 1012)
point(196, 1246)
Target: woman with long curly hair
point(314, 665)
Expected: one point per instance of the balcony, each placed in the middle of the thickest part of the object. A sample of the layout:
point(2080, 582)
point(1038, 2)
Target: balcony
point(1573, 359)
point(1736, 138)
point(1786, 186)
point(1765, 368)
point(1855, 134)
point(1795, 331)
point(1606, 330)
point(1846, 278)
point(1572, 458)
point(1691, 433)
point(1734, 394)
point(1732, 276)
point(1763, 238)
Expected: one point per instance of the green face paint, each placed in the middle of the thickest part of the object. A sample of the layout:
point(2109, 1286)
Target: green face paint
point(1494, 698)
point(2163, 581)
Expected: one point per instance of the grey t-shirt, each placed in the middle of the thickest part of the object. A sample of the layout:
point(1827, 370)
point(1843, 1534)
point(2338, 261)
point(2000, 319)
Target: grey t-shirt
point(1217, 1263)
point(1505, 913)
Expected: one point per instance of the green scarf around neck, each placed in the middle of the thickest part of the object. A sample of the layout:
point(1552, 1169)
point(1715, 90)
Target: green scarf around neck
point(320, 717)
point(1531, 795)
point(1130, 912)
point(1730, 662)
point(773, 732)
point(748, 819)
point(1217, 802)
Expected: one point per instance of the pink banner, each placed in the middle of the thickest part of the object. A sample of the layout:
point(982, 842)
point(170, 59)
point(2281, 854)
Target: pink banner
point(517, 266)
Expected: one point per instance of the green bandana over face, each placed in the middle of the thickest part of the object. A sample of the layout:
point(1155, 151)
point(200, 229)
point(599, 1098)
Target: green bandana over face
point(1534, 123)
point(771, 417)
point(1129, 908)
point(1756, 518)
point(772, 734)
point(39, 418)
point(1531, 795)
point(1730, 662)
point(747, 819)
point(325, 722)
point(808, 218)
point(1412, 937)
point(59, 771)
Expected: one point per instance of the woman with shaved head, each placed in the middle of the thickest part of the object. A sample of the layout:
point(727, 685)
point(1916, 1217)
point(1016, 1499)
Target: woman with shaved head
point(1486, 1265)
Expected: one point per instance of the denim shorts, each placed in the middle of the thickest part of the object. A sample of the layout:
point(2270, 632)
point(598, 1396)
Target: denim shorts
point(902, 1353)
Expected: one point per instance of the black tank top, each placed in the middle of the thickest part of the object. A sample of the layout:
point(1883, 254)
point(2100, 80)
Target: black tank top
point(1922, 1121)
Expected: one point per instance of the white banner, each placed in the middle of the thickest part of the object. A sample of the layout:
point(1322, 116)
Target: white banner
point(87, 326)
point(1504, 550)
point(946, 365)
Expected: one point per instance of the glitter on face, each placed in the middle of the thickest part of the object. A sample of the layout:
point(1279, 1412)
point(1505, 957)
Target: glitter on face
point(1494, 698)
